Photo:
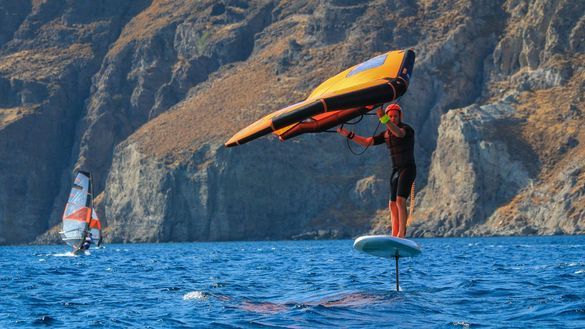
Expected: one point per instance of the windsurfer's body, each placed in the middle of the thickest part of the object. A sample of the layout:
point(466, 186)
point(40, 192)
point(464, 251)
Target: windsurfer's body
point(399, 138)
point(86, 242)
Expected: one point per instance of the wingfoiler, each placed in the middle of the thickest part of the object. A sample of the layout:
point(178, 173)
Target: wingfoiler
point(341, 98)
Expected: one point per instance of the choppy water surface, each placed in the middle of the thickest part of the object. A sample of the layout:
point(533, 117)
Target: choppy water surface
point(466, 282)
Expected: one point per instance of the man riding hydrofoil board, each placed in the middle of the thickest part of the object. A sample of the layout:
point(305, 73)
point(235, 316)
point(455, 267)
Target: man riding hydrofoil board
point(399, 138)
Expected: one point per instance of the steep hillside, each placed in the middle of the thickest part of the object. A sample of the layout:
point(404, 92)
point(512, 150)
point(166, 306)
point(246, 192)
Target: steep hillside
point(49, 52)
point(145, 93)
point(265, 183)
point(522, 150)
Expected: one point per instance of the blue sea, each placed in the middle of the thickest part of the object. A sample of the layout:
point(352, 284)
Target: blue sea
point(520, 282)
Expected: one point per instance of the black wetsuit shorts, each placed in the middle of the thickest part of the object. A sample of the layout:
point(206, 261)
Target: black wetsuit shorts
point(401, 181)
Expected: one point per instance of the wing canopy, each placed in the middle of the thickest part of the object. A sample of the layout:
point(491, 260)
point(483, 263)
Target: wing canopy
point(341, 98)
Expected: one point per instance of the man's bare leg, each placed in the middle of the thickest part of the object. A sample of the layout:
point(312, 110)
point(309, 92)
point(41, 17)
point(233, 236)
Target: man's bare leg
point(394, 217)
point(402, 215)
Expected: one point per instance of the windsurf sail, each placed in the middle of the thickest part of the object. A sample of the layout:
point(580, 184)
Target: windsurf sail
point(339, 99)
point(95, 228)
point(79, 218)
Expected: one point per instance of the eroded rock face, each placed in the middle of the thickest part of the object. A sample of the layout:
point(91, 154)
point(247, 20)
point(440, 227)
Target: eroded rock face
point(162, 53)
point(553, 206)
point(12, 13)
point(537, 32)
point(227, 194)
point(520, 172)
point(144, 93)
point(479, 165)
point(49, 51)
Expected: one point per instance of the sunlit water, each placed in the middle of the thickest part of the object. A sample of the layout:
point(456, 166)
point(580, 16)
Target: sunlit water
point(536, 282)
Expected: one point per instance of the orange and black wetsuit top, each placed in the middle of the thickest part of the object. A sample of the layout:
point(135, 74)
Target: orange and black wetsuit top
point(401, 148)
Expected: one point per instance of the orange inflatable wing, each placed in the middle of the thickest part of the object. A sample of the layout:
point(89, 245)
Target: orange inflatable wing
point(341, 98)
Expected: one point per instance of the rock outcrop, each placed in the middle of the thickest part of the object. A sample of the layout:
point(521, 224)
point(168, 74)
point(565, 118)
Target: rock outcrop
point(480, 164)
point(519, 172)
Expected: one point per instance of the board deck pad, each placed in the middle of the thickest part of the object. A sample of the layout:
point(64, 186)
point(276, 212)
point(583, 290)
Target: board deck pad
point(387, 246)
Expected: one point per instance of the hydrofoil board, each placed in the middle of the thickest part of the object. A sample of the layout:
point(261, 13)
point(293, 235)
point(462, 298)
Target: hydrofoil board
point(387, 246)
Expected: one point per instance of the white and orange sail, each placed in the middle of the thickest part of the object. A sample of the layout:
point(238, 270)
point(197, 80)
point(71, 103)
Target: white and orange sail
point(79, 217)
point(95, 228)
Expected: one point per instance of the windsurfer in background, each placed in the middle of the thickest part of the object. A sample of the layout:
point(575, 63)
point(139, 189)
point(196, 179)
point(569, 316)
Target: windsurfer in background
point(87, 241)
point(399, 138)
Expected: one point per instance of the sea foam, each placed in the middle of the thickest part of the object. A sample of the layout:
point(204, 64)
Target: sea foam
point(194, 295)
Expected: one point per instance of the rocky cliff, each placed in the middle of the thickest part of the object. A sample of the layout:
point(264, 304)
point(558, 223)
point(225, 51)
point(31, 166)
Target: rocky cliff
point(522, 149)
point(49, 52)
point(144, 93)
